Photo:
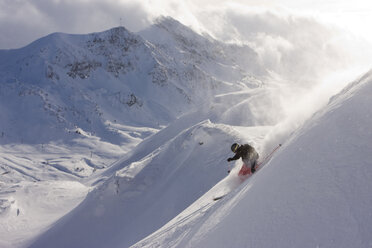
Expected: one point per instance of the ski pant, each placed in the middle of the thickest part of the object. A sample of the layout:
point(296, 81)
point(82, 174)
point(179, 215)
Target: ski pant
point(251, 161)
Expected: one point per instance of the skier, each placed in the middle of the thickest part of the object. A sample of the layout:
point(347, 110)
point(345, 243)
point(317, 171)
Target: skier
point(248, 155)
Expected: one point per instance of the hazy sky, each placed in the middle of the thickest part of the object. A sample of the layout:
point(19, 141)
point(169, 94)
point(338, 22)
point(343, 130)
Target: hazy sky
point(22, 21)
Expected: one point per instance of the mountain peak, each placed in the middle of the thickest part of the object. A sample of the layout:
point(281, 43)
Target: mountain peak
point(168, 21)
point(116, 31)
point(176, 28)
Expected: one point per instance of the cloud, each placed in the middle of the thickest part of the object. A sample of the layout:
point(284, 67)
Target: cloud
point(301, 48)
point(302, 52)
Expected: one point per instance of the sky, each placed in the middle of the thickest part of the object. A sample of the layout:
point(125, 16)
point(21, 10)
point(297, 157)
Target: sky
point(22, 21)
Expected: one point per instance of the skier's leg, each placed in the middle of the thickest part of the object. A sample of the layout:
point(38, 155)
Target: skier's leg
point(244, 170)
point(253, 166)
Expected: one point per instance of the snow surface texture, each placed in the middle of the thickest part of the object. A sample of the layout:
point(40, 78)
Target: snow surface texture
point(315, 192)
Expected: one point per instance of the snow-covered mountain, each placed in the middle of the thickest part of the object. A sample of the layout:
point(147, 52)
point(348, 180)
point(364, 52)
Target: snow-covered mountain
point(116, 139)
point(65, 82)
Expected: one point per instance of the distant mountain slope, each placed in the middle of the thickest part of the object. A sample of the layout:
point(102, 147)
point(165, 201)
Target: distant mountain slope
point(64, 83)
point(83, 81)
point(209, 58)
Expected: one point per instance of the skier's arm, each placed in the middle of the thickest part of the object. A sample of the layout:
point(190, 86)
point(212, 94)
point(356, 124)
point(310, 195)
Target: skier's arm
point(236, 157)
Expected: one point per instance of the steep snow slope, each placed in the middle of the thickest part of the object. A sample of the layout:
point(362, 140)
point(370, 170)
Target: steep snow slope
point(314, 193)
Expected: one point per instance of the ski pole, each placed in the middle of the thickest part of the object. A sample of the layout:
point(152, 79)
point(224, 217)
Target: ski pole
point(268, 156)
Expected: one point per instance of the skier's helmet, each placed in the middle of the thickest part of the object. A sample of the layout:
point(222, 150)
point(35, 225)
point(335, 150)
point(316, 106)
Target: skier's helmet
point(234, 147)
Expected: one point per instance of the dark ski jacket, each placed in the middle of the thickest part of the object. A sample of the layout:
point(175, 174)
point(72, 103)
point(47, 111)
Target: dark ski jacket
point(247, 153)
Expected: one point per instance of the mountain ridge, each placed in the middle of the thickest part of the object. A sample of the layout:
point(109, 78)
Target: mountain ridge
point(135, 76)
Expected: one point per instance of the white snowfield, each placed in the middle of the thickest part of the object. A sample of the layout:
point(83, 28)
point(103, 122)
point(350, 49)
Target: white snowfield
point(94, 153)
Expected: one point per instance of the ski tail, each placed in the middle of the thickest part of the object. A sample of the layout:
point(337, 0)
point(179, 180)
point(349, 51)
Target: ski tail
point(219, 197)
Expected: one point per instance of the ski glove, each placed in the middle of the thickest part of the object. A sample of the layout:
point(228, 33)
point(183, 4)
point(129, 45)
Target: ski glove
point(229, 159)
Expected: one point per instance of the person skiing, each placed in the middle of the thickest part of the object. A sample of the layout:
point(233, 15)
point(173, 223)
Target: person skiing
point(248, 155)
